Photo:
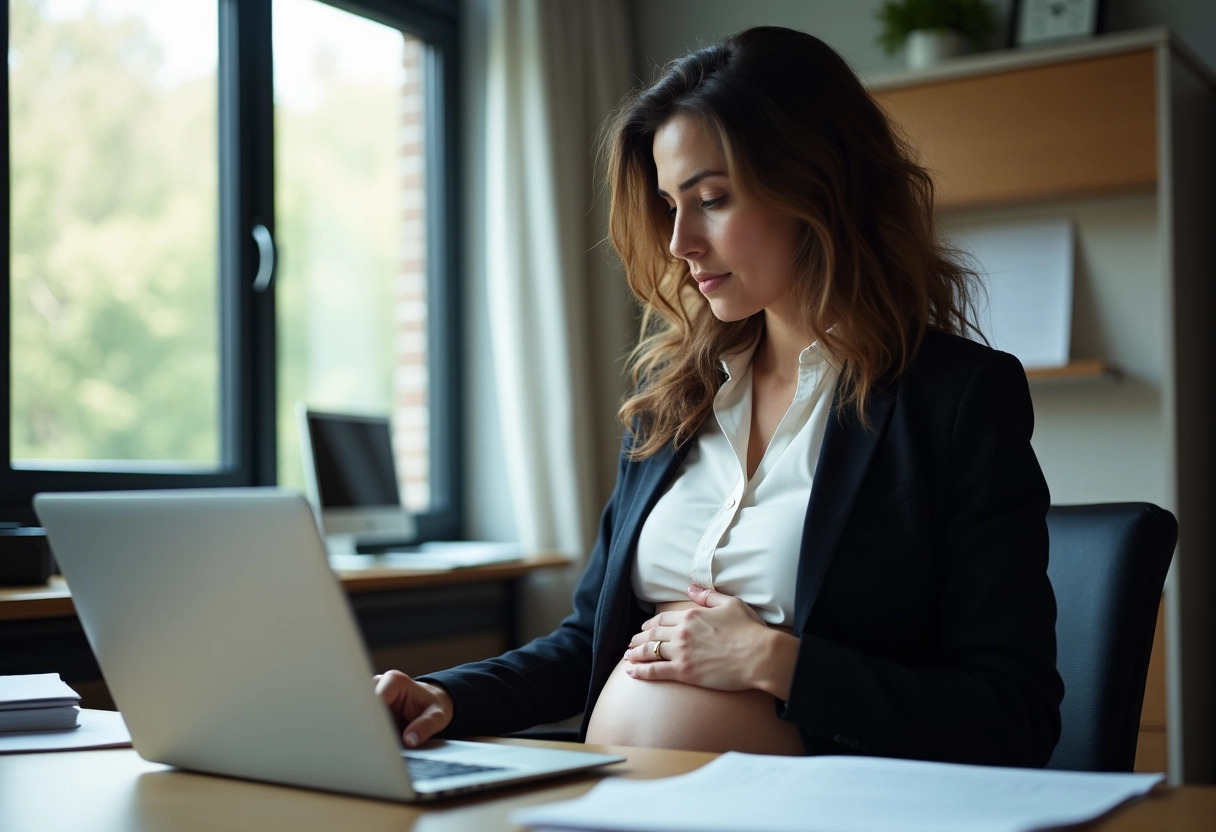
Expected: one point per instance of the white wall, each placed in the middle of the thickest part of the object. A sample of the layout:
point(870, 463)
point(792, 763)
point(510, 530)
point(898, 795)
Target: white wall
point(666, 29)
point(1104, 440)
point(669, 28)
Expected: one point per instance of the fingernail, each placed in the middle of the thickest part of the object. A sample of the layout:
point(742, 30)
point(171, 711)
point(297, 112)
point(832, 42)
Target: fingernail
point(411, 739)
point(630, 670)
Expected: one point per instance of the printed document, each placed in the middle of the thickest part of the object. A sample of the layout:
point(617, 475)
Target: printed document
point(1028, 278)
point(842, 794)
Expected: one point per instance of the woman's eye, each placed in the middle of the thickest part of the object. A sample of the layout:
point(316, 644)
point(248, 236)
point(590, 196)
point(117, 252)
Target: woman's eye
point(704, 204)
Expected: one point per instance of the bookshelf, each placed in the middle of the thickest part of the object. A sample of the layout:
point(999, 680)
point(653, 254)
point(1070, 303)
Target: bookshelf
point(1116, 133)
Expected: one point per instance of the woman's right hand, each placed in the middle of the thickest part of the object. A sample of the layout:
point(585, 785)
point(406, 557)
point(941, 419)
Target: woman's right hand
point(420, 710)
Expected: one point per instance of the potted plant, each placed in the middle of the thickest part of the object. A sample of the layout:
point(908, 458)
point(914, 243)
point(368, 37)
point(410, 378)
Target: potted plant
point(933, 29)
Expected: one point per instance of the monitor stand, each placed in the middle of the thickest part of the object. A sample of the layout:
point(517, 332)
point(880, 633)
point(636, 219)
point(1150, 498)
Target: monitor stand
point(340, 545)
point(358, 529)
point(368, 543)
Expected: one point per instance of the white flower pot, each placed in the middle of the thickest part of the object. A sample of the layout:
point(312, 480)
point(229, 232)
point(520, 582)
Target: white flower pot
point(926, 47)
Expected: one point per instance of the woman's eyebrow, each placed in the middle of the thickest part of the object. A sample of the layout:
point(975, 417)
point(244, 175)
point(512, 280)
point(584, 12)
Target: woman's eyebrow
point(694, 179)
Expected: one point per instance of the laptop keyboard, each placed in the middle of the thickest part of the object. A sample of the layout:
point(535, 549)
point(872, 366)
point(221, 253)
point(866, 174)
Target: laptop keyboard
point(429, 768)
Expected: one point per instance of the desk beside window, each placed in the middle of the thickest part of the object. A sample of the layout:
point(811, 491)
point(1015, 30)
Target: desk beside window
point(415, 620)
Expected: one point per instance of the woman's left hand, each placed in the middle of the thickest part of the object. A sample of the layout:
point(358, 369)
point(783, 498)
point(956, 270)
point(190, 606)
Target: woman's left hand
point(720, 644)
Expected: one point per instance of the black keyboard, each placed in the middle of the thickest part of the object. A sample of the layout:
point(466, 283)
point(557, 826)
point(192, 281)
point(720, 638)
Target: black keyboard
point(429, 768)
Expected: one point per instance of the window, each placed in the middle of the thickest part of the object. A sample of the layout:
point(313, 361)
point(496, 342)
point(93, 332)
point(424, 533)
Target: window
point(350, 200)
point(113, 253)
point(154, 175)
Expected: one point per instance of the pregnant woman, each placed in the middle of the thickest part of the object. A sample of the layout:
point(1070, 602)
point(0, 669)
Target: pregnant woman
point(828, 530)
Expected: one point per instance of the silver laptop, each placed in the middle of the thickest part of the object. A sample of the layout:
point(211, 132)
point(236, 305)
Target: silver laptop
point(229, 646)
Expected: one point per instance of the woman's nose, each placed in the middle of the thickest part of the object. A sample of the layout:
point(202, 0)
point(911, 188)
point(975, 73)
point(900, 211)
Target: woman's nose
point(687, 242)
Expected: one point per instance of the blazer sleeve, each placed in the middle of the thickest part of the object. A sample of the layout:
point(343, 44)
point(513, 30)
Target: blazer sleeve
point(547, 679)
point(990, 693)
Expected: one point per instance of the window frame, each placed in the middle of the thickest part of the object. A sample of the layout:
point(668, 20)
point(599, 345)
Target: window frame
point(247, 354)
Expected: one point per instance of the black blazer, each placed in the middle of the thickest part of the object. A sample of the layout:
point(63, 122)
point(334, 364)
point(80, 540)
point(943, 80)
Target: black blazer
point(926, 619)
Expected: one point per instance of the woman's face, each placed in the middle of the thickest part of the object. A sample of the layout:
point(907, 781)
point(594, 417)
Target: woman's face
point(740, 252)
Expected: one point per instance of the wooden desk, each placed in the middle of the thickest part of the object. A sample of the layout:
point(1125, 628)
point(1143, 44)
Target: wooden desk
point(53, 600)
point(39, 632)
point(116, 791)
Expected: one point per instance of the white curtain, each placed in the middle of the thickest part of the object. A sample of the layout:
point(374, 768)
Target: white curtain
point(559, 316)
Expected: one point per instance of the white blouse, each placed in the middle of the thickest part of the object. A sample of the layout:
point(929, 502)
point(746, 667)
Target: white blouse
point(715, 528)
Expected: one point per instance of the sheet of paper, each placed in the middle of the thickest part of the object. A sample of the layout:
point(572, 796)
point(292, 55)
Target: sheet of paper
point(842, 794)
point(1028, 272)
point(98, 729)
point(33, 690)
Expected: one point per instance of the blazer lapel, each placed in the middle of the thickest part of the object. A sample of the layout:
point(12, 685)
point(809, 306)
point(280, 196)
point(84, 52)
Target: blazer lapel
point(616, 596)
point(843, 460)
point(652, 474)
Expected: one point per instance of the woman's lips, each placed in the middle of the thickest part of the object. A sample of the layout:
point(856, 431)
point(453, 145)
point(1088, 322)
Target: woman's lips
point(709, 282)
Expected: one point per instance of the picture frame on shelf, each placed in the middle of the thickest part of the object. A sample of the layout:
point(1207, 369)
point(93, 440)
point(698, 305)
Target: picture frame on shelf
point(1048, 21)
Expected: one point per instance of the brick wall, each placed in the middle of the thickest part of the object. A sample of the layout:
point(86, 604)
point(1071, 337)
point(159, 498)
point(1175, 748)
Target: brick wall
point(411, 421)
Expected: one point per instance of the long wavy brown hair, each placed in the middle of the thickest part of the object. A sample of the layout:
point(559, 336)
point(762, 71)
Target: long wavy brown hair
point(800, 134)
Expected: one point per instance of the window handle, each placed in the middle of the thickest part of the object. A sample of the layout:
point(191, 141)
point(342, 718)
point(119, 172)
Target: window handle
point(265, 275)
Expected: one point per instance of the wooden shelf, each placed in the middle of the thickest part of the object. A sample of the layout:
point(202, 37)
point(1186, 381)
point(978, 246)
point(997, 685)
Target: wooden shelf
point(383, 578)
point(1085, 368)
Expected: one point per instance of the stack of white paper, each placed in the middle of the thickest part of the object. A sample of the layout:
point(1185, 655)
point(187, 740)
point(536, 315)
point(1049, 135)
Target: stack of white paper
point(37, 702)
point(843, 794)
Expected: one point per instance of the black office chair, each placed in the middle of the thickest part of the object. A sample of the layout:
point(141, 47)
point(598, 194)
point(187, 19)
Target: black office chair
point(1107, 566)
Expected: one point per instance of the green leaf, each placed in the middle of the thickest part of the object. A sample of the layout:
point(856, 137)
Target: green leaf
point(975, 20)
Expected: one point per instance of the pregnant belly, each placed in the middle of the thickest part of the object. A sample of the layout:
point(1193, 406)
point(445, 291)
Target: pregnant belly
point(675, 715)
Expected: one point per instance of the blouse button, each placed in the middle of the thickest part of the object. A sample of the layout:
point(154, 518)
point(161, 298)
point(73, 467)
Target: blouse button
point(730, 503)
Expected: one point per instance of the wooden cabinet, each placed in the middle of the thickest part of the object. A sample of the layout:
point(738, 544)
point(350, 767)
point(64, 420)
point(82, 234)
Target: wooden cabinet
point(1032, 133)
point(1117, 134)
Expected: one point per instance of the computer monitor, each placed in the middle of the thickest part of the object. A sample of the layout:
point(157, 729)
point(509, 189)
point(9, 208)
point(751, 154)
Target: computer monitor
point(351, 480)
